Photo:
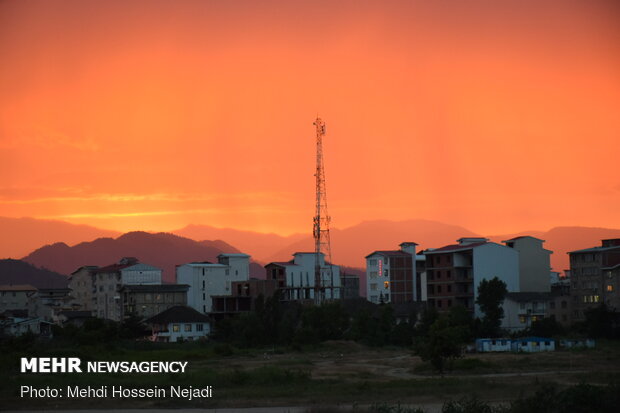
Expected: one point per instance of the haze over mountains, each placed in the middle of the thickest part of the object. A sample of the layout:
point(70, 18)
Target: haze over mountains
point(20, 236)
point(349, 245)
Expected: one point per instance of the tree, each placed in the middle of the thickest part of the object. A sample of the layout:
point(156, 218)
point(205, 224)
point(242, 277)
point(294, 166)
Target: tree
point(443, 344)
point(491, 294)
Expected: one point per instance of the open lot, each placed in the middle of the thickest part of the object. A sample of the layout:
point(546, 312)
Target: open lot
point(336, 373)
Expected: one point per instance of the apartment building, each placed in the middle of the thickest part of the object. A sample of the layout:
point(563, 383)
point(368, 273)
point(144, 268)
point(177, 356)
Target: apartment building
point(454, 271)
point(534, 263)
point(109, 279)
point(206, 279)
point(391, 275)
point(297, 278)
point(82, 285)
point(595, 277)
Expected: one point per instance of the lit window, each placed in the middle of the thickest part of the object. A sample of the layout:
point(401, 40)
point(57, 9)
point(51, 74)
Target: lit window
point(522, 319)
point(386, 284)
point(176, 328)
point(188, 327)
point(610, 288)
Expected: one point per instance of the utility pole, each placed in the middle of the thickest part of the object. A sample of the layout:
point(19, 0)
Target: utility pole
point(321, 222)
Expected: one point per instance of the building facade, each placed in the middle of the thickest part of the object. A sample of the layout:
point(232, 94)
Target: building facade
point(595, 277)
point(82, 285)
point(454, 272)
point(15, 297)
point(534, 263)
point(206, 279)
point(109, 279)
point(179, 323)
point(391, 276)
point(522, 309)
point(297, 278)
point(143, 301)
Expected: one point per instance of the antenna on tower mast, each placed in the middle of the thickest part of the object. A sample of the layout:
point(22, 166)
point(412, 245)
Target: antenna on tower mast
point(321, 223)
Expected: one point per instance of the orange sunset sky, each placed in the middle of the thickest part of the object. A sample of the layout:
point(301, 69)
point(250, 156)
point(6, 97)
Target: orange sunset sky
point(498, 116)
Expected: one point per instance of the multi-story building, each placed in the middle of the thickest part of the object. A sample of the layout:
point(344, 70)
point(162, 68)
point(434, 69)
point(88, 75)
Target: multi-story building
point(534, 263)
point(109, 279)
point(147, 300)
point(350, 286)
point(82, 285)
point(243, 298)
point(297, 278)
point(391, 276)
point(15, 297)
point(454, 272)
point(47, 303)
point(524, 308)
point(206, 279)
point(179, 323)
point(595, 277)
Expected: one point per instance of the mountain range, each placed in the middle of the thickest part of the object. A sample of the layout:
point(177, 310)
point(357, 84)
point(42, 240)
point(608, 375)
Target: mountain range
point(162, 250)
point(15, 272)
point(201, 242)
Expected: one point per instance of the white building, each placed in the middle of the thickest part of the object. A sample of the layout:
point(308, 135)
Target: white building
point(522, 309)
point(391, 276)
point(206, 279)
point(454, 272)
point(534, 263)
point(179, 323)
point(297, 278)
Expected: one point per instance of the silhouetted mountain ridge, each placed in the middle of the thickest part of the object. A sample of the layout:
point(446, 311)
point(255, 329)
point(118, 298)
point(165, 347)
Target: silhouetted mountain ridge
point(163, 250)
point(18, 272)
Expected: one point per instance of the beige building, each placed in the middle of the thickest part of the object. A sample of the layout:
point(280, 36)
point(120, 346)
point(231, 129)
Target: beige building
point(534, 263)
point(82, 285)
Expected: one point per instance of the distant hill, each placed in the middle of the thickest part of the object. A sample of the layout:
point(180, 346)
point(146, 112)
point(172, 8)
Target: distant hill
point(22, 235)
point(561, 240)
point(351, 245)
point(162, 250)
point(20, 272)
point(260, 246)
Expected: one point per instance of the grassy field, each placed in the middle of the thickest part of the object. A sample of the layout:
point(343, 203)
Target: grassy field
point(331, 374)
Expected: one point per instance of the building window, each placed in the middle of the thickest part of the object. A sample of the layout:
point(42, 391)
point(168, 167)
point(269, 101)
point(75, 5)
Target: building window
point(372, 262)
point(199, 327)
point(438, 289)
point(439, 303)
point(449, 303)
point(176, 328)
point(448, 274)
point(188, 327)
point(610, 288)
point(552, 305)
point(386, 284)
point(227, 272)
point(449, 288)
point(373, 287)
point(522, 319)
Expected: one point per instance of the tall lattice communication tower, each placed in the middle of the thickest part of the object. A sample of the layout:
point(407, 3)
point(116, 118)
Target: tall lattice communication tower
point(322, 276)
